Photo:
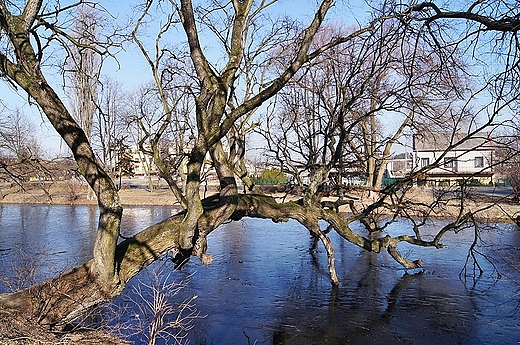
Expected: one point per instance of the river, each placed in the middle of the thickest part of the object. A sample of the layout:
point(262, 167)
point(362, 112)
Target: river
point(265, 287)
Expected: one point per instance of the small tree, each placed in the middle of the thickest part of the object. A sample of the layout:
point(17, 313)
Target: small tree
point(124, 160)
point(272, 176)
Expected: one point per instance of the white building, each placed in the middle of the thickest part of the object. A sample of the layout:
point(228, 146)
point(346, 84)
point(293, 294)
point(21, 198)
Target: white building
point(449, 161)
point(143, 163)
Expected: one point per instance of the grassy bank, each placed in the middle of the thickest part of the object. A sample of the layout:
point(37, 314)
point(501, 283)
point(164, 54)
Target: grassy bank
point(75, 193)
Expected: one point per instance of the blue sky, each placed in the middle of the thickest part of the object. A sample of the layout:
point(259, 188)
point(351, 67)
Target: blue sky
point(133, 70)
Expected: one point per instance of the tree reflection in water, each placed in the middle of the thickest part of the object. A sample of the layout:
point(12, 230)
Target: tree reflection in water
point(266, 285)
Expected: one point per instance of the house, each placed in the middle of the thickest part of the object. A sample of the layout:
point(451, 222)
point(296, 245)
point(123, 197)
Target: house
point(399, 166)
point(449, 158)
point(143, 164)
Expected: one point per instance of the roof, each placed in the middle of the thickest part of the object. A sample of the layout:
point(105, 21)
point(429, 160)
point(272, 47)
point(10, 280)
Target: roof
point(441, 141)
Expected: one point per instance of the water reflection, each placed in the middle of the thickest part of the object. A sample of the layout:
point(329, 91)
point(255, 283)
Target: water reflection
point(265, 287)
point(55, 237)
point(137, 218)
point(273, 291)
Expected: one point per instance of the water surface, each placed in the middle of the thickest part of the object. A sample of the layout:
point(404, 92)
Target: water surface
point(266, 287)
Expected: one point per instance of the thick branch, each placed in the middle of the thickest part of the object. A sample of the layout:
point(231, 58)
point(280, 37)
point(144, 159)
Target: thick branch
point(277, 84)
point(201, 64)
point(29, 13)
point(504, 24)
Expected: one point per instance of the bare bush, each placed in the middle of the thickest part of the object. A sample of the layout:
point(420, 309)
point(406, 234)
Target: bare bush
point(152, 312)
point(21, 269)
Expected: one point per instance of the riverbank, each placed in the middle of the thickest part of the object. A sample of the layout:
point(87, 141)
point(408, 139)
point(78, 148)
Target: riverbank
point(494, 207)
point(75, 193)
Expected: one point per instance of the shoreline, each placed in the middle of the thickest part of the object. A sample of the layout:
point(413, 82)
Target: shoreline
point(501, 209)
point(79, 194)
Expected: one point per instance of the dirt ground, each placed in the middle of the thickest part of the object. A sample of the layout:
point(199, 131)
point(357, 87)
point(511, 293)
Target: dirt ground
point(75, 193)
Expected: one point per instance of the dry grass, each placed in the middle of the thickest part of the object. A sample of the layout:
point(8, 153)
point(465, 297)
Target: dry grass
point(68, 193)
point(15, 331)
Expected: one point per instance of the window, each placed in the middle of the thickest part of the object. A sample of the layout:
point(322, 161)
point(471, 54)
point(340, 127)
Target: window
point(479, 162)
point(450, 163)
point(425, 162)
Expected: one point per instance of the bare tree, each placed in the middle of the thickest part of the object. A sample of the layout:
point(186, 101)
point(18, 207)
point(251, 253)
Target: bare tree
point(21, 63)
point(162, 135)
point(349, 108)
point(20, 152)
point(17, 137)
point(84, 65)
point(114, 264)
point(110, 123)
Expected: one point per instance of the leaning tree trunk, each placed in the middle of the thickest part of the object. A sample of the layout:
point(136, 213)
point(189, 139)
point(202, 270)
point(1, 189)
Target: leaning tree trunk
point(30, 78)
point(62, 299)
point(27, 74)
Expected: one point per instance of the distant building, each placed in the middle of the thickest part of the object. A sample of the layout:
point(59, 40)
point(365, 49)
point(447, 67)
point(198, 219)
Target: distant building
point(399, 167)
point(143, 163)
point(471, 160)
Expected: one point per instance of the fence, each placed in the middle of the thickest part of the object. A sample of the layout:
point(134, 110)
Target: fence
point(503, 182)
